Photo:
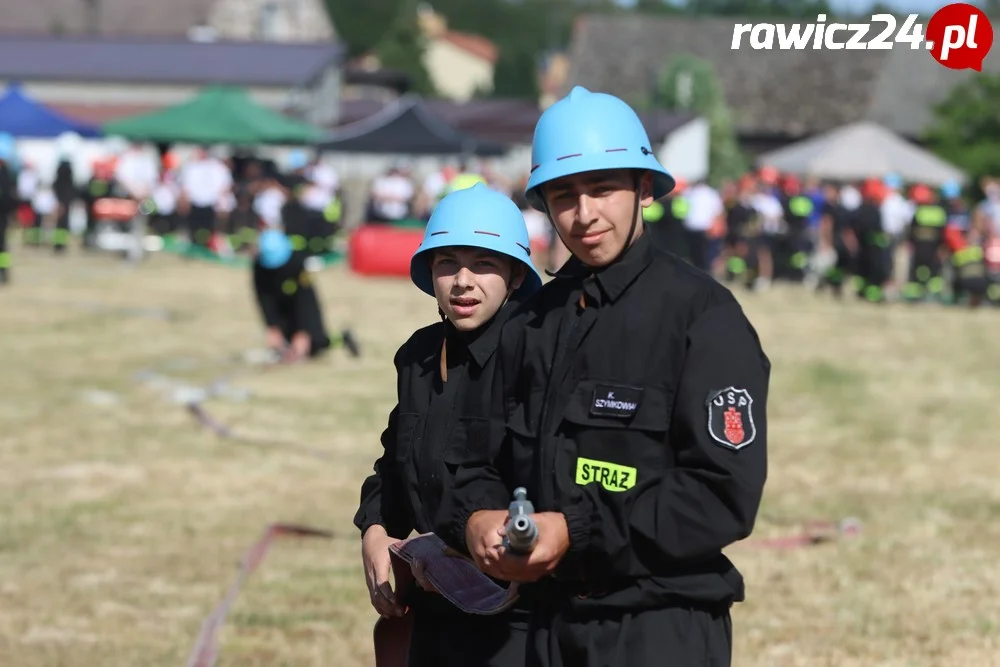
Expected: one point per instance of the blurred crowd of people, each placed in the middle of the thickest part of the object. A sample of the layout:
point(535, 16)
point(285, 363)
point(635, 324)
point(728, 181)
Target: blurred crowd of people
point(214, 202)
point(880, 239)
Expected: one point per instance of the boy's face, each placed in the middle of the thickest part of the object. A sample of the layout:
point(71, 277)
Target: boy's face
point(471, 284)
point(593, 212)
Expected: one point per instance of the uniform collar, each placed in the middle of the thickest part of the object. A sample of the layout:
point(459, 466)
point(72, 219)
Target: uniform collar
point(615, 278)
point(482, 342)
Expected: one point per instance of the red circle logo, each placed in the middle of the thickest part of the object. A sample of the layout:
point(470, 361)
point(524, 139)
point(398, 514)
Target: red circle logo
point(959, 36)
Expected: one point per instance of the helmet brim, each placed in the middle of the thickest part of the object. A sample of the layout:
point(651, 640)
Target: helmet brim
point(663, 182)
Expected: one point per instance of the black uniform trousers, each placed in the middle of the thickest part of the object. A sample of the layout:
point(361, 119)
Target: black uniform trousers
point(445, 637)
point(201, 224)
point(670, 637)
point(287, 300)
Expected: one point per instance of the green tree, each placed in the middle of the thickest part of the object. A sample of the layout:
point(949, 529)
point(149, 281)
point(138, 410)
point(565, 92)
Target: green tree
point(966, 127)
point(688, 83)
point(362, 24)
point(516, 74)
point(402, 49)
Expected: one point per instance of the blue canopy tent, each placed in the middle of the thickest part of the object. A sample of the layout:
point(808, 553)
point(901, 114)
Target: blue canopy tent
point(22, 116)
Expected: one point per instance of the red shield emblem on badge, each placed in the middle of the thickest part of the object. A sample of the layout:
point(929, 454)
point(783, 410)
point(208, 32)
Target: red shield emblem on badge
point(734, 426)
point(730, 417)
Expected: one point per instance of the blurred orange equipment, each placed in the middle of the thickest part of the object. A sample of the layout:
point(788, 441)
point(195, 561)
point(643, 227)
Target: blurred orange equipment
point(115, 209)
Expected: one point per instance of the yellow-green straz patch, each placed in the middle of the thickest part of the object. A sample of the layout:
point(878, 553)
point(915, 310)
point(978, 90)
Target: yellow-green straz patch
point(611, 476)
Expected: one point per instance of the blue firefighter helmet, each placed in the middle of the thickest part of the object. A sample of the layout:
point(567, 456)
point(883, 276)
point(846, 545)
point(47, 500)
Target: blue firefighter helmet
point(588, 131)
point(893, 180)
point(951, 190)
point(274, 249)
point(476, 217)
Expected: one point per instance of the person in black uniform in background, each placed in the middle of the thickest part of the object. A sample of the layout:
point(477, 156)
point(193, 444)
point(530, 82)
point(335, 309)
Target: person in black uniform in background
point(634, 391)
point(64, 188)
point(927, 246)
point(794, 244)
point(835, 232)
point(8, 202)
point(101, 184)
point(873, 243)
point(474, 260)
point(744, 235)
point(666, 221)
point(287, 300)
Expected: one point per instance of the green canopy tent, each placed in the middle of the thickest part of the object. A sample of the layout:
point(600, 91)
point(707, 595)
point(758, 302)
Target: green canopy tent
point(216, 115)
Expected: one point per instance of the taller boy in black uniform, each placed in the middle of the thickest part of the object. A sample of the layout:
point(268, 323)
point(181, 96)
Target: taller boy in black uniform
point(635, 406)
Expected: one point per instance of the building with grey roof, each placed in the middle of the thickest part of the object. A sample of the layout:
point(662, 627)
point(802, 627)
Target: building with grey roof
point(777, 96)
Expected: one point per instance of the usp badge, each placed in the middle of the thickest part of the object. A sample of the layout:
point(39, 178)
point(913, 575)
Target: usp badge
point(730, 418)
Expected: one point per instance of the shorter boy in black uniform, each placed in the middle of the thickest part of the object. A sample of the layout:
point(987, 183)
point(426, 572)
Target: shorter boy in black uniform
point(835, 232)
point(474, 260)
point(287, 299)
point(926, 240)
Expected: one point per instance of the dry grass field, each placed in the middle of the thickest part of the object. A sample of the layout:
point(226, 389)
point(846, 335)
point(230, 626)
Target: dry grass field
point(122, 520)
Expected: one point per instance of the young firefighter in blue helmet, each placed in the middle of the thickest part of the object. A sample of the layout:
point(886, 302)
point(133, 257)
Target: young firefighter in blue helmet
point(635, 393)
point(474, 260)
point(286, 297)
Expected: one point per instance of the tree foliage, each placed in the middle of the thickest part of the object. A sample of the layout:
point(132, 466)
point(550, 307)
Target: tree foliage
point(966, 126)
point(402, 48)
point(690, 84)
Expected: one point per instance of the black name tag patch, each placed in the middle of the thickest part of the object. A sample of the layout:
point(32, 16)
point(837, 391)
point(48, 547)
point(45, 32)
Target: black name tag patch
point(615, 401)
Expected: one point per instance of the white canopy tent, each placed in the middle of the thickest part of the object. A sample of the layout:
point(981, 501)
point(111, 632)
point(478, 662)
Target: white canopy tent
point(862, 150)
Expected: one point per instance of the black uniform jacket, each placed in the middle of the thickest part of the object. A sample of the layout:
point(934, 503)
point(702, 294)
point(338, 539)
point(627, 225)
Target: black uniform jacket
point(641, 417)
point(435, 428)
point(287, 300)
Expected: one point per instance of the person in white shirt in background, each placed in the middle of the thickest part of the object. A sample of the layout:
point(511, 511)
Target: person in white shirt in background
point(897, 212)
point(269, 201)
point(28, 182)
point(705, 207)
point(165, 195)
point(324, 193)
point(391, 195)
point(850, 197)
point(435, 185)
point(986, 217)
point(205, 181)
point(772, 218)
point(137, 171)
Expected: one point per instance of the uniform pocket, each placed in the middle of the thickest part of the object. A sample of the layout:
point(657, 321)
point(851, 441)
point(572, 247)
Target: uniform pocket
point(472, 440)
point(406, 426)
point(618, 433)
